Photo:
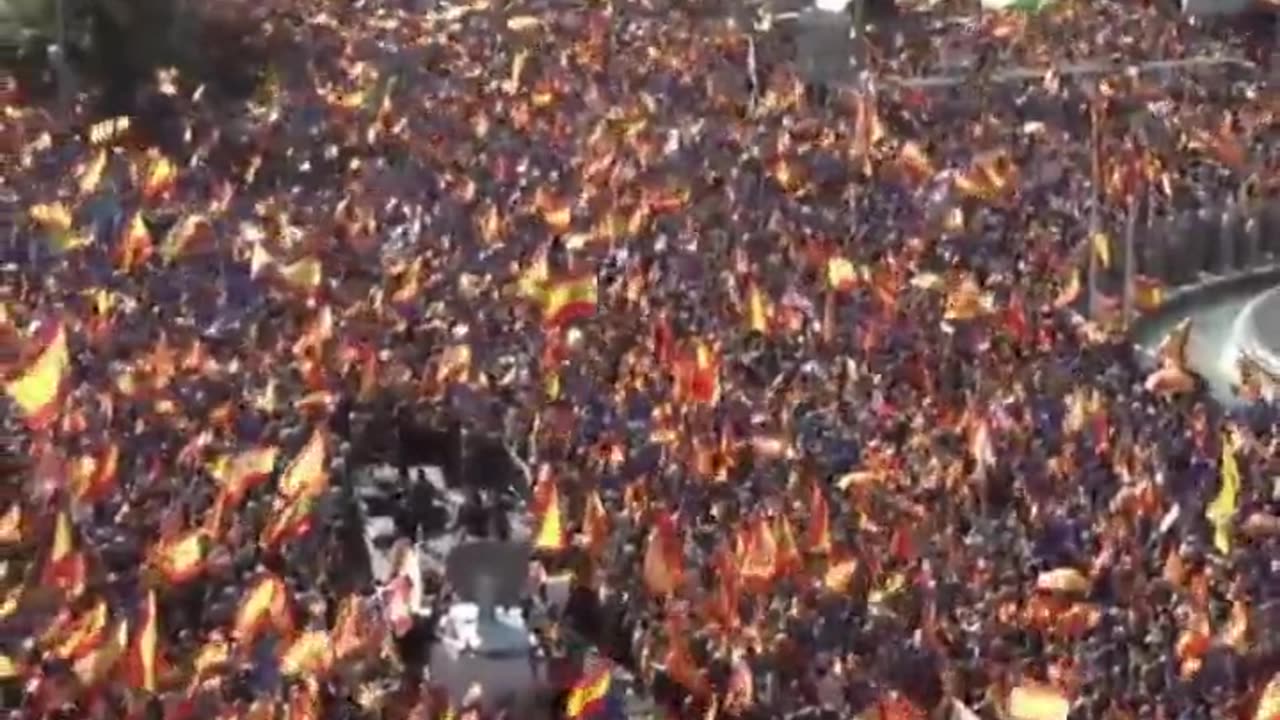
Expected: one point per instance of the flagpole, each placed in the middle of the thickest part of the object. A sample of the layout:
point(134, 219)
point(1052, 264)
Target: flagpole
point(1130, 237)
point(1095, 219)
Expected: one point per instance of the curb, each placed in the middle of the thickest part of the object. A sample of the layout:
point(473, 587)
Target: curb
point(1180, 299)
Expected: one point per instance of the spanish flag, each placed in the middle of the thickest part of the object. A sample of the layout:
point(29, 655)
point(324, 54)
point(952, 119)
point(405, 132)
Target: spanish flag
point(135, 246)
point(595, 524)
point(95, 477)
point(308, 474)
point(181, 558)
point(758, 310)
point(680, 665)
point(81, 635)
point(789, 559)
point(819, 535)
point(349, 632)
point(697, 375)
point(143, 661)
point(841, 275)
point(568, 300)
point(90, 173)
point(213, 655)
point(190, 235)
point(550, 537)
point(1222, 509)
point(55, 220)
point(760, 561)
point(590, 698)
point(303, 275)
point(291, 519)
point(240, 473)
point(267, 602)
point(664, 557)
point(159, 178)
point(915, 163)
point(1269, 702)
point(66, 566)
point(37, 390)
point(94, 667)
point(309, 654)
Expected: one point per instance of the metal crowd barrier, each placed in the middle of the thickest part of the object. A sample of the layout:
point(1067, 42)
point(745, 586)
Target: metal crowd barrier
point(1208, 241)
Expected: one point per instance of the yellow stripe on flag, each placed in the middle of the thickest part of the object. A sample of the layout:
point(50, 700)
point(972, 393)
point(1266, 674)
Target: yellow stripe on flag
point(36, 391)
point(569, 300)
point(587, 692)
point(1220, 512)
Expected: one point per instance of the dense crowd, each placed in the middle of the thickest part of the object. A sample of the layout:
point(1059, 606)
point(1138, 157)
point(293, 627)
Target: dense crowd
point(803, 382)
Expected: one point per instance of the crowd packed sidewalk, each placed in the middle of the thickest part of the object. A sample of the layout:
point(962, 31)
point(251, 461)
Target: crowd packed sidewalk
point(808, 408)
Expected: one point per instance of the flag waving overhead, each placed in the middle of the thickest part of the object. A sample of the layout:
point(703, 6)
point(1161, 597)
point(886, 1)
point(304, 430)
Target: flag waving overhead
point(1269, 703)
point(568, 300)
point(37, 390)
point(65, 568)
point(1223, 508)
point(143, 653)
point(592, 698)
point(663, 557)
point(308, 474)
point(550, 537)
point(181, 558)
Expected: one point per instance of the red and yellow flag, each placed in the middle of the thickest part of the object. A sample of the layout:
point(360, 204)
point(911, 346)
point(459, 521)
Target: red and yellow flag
point(568, 300)
point(664, 557)
point(588, 695)
point(94, 478)
point(291, 519)
point(595, 524)
point(680, 665)
point(697, 375)
point(142, 665)
point(66, 565)
point(349, 631)
point(37, 390)
point(190, 236)
point(304, 275)
point(725, 599)
point(758, 309)
point(551, 536)
point(79, 635)
point(308, 474)
point(266, 603)
point(240, 473)
point(819, 533)
point(309, 654)
point(135, 246)
point(95, 667)
point(159, 177)
point(760, 561)
point(1269, 702)
point(181, 558)
point(789, 558)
